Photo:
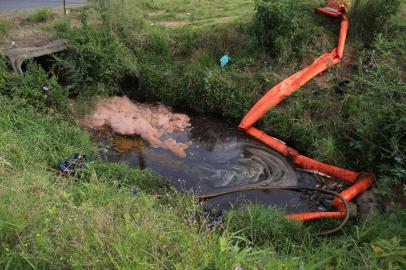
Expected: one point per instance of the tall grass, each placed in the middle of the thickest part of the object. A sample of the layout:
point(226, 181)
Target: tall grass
point(283, 28)
point(94, 221)
point(4, 27)
point(368, 17)
point(357, 125)
point(29, 89)
point(39, 15)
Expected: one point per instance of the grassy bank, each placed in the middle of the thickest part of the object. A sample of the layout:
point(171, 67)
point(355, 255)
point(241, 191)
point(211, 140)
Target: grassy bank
point(353, 115)
point(48, 221)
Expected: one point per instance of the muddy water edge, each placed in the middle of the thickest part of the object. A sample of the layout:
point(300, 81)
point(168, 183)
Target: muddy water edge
point(214, 156)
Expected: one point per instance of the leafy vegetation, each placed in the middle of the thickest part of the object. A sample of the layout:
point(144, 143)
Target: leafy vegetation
point(353, 116)
point(4, 27)
point(99, 64)
point(372, 245)
point(283, 27)
point(40, 15)
point(29, 89)
point(368, 17)
point(331, 118)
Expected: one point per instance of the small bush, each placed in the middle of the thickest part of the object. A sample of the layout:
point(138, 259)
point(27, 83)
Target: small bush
point(367, 17)
point(40, 15)
point(99, 64)
point(28, 88)
point(4, 28)
point(283, 28)
point(62, 25)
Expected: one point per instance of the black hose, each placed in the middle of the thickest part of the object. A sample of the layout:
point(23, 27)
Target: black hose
point(295, 188)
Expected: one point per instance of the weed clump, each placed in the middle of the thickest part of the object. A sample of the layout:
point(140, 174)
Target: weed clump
point(4, 27)
point(40, 15)
point(99, 64)
point(283, 28)
point(368, 17)
point(264, 226)
point(35, 88)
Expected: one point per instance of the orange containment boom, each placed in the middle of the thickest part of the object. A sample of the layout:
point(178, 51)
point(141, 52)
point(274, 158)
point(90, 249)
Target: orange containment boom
point(361, 181)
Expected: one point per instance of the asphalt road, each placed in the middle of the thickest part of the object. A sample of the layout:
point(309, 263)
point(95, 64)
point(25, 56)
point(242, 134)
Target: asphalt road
point(28, 4)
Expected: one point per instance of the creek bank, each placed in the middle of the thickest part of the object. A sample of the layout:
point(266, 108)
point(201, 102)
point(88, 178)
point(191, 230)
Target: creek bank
point(204, 155)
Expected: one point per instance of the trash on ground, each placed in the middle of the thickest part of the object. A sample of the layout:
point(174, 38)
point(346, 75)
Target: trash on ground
point(224, 60)
point(73, 164)
point(45, 90)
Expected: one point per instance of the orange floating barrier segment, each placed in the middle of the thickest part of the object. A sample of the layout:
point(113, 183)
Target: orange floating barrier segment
point(365, 182)
point(285, 88)
point(361, 181)
point(336, 172)
point(342, 37)
point(303, 161)
point(315, 215)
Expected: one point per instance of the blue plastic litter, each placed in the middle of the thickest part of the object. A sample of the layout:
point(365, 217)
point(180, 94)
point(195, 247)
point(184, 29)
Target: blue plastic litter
point(72, 164)
point(135, 190)
point(224, 60)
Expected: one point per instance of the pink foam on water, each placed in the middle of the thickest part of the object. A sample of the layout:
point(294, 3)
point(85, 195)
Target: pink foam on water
point(150, 121)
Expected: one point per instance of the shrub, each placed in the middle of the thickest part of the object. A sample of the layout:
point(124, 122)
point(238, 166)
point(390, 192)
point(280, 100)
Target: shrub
point(40, 15)
point(28, 88)
point(367, 17)
point(283, 28)
point(377, 125)
point(100, 62)
point(4, 27)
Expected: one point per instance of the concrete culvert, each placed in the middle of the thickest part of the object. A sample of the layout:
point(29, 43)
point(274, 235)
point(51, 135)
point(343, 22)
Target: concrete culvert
point(17, 56)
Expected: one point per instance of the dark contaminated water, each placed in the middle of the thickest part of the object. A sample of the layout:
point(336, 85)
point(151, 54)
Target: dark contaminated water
point(220, 157)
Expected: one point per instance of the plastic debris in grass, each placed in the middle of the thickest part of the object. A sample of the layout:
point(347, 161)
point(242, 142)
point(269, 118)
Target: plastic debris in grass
point(73, 164)
point(135, 190)
point(224, 60)
point(45, 90)
point(214, 217)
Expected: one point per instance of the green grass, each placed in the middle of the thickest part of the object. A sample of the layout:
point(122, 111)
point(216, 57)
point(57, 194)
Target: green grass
point(48, 221)
point(52, 222)
point(92, 221)
point(4, 27)
point(39, 15)
point(358, 123)
point(188, 11)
